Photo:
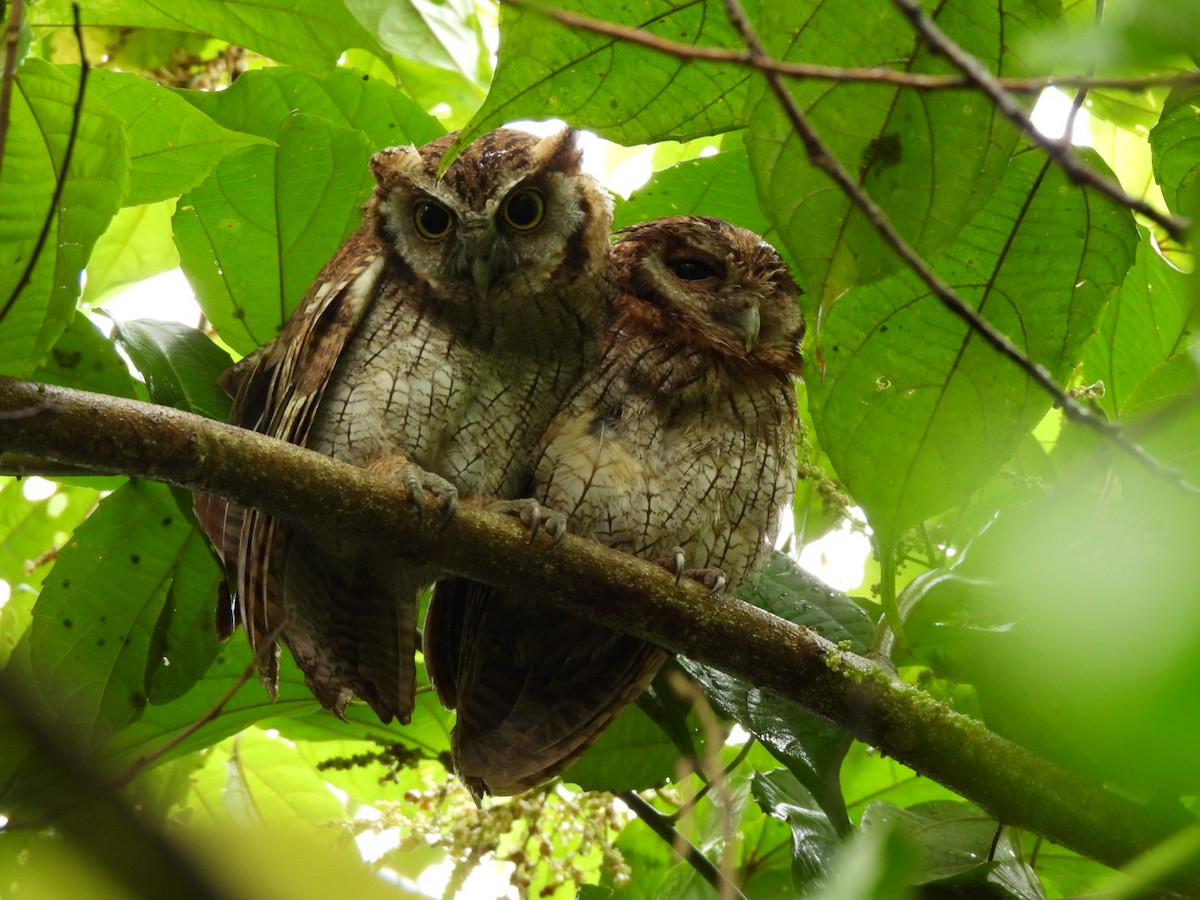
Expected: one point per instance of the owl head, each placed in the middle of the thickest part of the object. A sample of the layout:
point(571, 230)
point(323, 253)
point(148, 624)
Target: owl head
point(705, 284)
point(512, 216)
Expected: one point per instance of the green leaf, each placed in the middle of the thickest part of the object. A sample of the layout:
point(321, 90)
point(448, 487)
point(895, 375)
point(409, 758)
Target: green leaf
point(36, 141)
point(445, 34)
point(719, 185)
point(913, 408)
point(878, 863)
point(1145, 323)
point(307, 33)
point(90, 637)
point(621, 91)
point(958, 845)
point(31, 531)
point(1175, 145)
point(253, 237)
point(84, 358)
point(808, 745)
point(172, 145)
point(930, 159)
point(814, 839)
point(135, 246)
point(633, 754)
point(261, 102)
point(179, 363)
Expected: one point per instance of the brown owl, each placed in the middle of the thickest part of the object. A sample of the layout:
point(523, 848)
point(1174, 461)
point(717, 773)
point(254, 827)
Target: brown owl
point(683, 434)
point(433, 348)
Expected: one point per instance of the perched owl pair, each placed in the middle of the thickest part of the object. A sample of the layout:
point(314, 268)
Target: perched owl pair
point(478, 336)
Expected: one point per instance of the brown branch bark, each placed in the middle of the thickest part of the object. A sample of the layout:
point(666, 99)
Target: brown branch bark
point(1016, 786)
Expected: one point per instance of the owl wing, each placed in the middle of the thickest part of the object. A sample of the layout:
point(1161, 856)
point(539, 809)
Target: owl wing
point(533, 687)
point(276, 391)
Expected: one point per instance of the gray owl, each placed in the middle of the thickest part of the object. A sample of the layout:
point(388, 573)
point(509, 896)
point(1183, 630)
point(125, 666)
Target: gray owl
point(433, 348)
point(682, 434)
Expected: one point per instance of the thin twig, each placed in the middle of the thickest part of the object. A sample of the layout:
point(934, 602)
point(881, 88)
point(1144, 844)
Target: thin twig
point(162, 750)
point(12, 38)
point(1059, 151)
point(836, 73)
point(819, 156)
point(661, 825)
point(689, 804)
point(61, 180)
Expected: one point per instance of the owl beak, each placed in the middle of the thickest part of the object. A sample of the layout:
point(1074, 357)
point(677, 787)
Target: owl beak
point(747, 322)
point(481, 274)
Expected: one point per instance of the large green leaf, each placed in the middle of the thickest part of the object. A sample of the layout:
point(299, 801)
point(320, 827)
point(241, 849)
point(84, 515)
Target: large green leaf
point(172, 145)
point(719, 185)
point(913, 408)
point(1144, 324)
point(260, 102)
point(179, 363)
point(959, 846)
point(929, 159)
point(308, 33)
point(1175, 144)
point(632, 754)
point(255, 234)
point(84, 358)
point(35, 143)
point(442, 33)
point(622, 91)
point(814, 839)
point(31, 532)
point(136, 246)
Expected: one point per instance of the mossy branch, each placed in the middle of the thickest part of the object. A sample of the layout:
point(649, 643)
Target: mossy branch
point(106, 434)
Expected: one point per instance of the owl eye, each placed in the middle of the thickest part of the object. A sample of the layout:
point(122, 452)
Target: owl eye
point(524, 210)
point(692, 269)
point(433, 220)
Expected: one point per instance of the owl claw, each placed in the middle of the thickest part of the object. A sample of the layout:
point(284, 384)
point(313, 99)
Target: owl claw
point(711, 578)
point(535, 517)
point(417, 481)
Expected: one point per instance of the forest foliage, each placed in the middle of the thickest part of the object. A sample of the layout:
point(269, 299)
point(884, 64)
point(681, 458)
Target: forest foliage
point(1040, 548)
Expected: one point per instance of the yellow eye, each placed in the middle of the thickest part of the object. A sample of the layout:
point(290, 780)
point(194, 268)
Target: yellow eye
point(433, 220)
point(524, 210)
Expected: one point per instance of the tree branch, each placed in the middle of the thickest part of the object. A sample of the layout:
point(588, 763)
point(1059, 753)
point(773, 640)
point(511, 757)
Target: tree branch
point(1013, 784)
point(877, 75)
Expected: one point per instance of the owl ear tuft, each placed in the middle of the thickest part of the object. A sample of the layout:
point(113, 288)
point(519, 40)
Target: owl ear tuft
point(558, 152)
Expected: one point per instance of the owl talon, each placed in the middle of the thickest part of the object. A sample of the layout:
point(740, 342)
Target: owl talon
point(711, 578)
point(535, 517)
point(417, 481)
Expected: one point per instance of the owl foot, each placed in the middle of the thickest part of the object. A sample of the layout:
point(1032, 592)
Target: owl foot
point(676, 560)
point(416, 482)
point(533, 516)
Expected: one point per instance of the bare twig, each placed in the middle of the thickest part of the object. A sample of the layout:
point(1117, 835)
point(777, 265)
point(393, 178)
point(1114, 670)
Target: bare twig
point(1059, 151)
point(689, 804)
point(878, 75)
point(12, 38)
point(146, 759)
point(819, 156)
point(661, 825)
point(61, 181)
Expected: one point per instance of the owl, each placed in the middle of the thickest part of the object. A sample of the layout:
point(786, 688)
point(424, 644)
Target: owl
point(433, 348)
point(681, 436)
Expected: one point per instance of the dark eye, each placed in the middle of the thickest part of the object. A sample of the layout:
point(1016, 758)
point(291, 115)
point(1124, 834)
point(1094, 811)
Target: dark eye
point(433, 220)
point(524, 210)
point(692, 269)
